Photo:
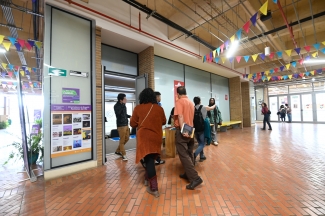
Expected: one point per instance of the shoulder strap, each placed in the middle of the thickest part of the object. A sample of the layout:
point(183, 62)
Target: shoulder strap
point(146, 116)
point(200, 107)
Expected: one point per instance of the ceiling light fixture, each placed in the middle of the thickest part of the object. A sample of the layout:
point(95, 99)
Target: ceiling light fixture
point(2, 50)
point(232, 49)
point(311, 61)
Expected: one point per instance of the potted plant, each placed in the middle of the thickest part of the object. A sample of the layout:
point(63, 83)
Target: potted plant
point(4, 125)
point(35, 148)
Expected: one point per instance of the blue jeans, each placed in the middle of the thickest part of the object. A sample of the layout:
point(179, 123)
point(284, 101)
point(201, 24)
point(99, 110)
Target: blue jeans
point(200, 139)
point(289, 117)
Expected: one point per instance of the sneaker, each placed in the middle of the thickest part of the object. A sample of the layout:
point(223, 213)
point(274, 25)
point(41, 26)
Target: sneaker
point(202, 159)
point(124, 158)
point(118, 153)
point(159, 162)
point(215, 143)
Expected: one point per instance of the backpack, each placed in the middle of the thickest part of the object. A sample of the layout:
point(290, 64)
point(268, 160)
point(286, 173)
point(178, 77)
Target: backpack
point(283, 111)
point(198, 120)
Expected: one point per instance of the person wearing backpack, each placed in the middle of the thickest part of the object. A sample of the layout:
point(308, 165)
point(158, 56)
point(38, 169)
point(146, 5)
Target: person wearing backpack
point(200, 114)
point(283, 112)
point(266, 112)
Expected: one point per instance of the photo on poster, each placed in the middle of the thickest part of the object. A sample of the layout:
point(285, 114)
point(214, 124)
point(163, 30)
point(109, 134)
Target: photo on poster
point(76, 131)
point(56, 119)
point(86, 134)
point(67, 148)
point(77, 143)
point(86, 124)
point(86, 117)
point(56, 148)
point(77, 119)
point(67, 130)
point(67, 118)
point(56, 133)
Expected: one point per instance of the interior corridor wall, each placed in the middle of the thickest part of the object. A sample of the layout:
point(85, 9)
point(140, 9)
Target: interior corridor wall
point(197, 82)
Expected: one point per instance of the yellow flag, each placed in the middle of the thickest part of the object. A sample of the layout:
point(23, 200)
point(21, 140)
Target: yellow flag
point(288, 66)
point(263, 9)
point(202, 58)
point(312, 73)
point(268, 78)
point(214, 53)
point(223, 59)
point(267, 72)
point(6, 45)
point(29, 69)
point(288, 52)
point(4, 65)
point(38, 44)
point(290, 76)
point(250, 76)
point(315, 54)
point(232, 38)
point(22, 73)
point(254, 57)
point(2, 37)
point(323, 43)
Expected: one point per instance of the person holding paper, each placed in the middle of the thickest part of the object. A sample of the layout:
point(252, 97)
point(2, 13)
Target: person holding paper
point(184, 114)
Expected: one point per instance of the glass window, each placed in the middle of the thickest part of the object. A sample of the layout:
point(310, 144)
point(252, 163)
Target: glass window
point(220, 91)
point(278, 90)
point(259, 92)
point(319, 86)
point(197, 83)
point(274, 107)
point(300, 87)
point(320, 107)
point(166, 72)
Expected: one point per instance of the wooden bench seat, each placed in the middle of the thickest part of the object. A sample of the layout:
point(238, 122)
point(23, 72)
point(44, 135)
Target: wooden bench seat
point(226, 124)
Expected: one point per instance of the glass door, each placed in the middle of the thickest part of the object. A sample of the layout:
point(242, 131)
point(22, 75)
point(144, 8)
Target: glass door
point(320, 107)
point(295, 107)
point(273, 106)
point(307, 107)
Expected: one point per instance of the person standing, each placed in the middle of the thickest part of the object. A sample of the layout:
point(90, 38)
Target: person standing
point(288, 108)
point(148, 117)
point(122, 124)
point(215, 119)
point(266, 113)
point(282, 111)
point(200, 115)
point(184, 113)
point(158, 98)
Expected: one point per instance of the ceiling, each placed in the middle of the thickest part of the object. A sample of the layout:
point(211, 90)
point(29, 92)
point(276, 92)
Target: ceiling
point(215, 21)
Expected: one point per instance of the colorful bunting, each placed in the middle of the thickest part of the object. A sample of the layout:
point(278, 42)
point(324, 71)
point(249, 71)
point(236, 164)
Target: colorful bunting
point(246, 26)
point(315, 54)
point(203, 58)
point(238, 58)
point(216, 60)
point(22, 73)
point(317, 45)
point(12, 40)
point(226, 44)
point(294, 64)
point(288, 66)
point(238, 33)
point(18, 47)
point(275, 1)
point(31, 43)
point(253, 19)
point(11, 67)
point(288, 52)
point(254, 57)
point(319, 71)
point(28, 46)
point(223, 59)
point(6, 45)
point(323, 43)
point(218, 51)
point(1, 38)
point(263, 9)
point(4, 65)
point(16, 73)
point(232, 39)
point(221, 47)
point(312, 73)
point(276, 70)
point(231, 59)
point(271, 55)
point(307, 48)
point(307, 58)
point(262, 55)
point(21, 42)
point(3, 74)
point(279, 53)
point(281, 68)
point(301, 61)
point(297, 50)
point(290, 76)
point(246, 58)
point(323, 50)
point(214, 53)
point(307, 73)
point(10, 74)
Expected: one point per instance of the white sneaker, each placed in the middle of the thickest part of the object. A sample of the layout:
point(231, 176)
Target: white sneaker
point(215, 143)
point(124, 158)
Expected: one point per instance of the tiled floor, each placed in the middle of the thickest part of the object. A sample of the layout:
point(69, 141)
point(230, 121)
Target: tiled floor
point(251, 172)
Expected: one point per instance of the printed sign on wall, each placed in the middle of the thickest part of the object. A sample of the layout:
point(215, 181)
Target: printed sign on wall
point(70, 129)
point(70, 95)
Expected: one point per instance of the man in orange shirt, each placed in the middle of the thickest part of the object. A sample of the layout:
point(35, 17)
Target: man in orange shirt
point(184, 113)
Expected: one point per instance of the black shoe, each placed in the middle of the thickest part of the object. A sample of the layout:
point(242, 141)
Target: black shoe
point(270, 128)
point(262, 128)
point(143, 163)
point(159, 162)
point(194, 184)
point(118, 153)
point(183, 176)
point(202, 159)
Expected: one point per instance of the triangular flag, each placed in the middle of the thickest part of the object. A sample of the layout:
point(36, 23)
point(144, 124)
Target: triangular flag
point(323, 43)
point(11, 67)
point(21, 42)
point(223, 59)
point(279, 77)
point(271, 55)
point(254, 57)
point(253, 19)
point(12, 40)
point(294, 64)
point(317, 45)
point(301, 61)
point(238, 33)
point(276, 70)
point(24, 68)
point(1, 38)
point(22, 73)
point(18, 47)
point(238, 59)
point(246, 58)
point(10, 74)
point(319, 71)
point(288, 66)
point(297, 50)
point(281, 68)
point(221, 47)
point(244, 76)
point(271, 71)
point(214, 53)
point(28, 46)
point(34, 69)
point(275, 1)
point(16, 73)
point(262, 55)
point(4, 65)
point(250, 76)
point(203, 59)
point(301, 74)
point(315, 54)
point(262, 73)
point(231, 59)
point(263, 9)
point(38, 44)
point(226, 44)
point(288, 52)
point(232, 38)
point(218, 51)
point(217, 60)
point(6, 45)
point(307, 73)
point(279, 53)
point(31, 43)
point(323, 50)
point(3, 74)
point(307, 48)
point(246, 27)
point(267, 72)
point(290, 76)
point(312, 73)
point(307, 58)
point(268, 78)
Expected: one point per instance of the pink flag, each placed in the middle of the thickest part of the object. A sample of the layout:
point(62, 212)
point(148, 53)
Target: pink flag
point(307, 48)
point(21, 42)
point(238, 58)
point(246, 26)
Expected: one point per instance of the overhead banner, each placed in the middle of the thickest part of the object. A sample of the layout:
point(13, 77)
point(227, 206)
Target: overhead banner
point(176, 85)
point(70, 129)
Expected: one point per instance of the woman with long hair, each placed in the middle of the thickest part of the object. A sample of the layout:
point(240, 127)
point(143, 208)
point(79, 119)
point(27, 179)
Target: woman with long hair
point(266, 113)
point(148, 117)
point(215, 119)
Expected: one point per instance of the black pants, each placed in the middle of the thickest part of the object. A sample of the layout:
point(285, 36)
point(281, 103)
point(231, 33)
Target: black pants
point(266, 120)
point(150, 165)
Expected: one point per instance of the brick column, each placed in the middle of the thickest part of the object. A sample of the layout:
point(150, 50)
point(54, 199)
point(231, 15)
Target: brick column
point(246, 104)
point(99, 117)
point(147, 65)
point(235, 100)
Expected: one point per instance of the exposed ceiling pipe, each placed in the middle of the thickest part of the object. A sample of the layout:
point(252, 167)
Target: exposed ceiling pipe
point(290, 30)
point(302, 32)
point(312, 17)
